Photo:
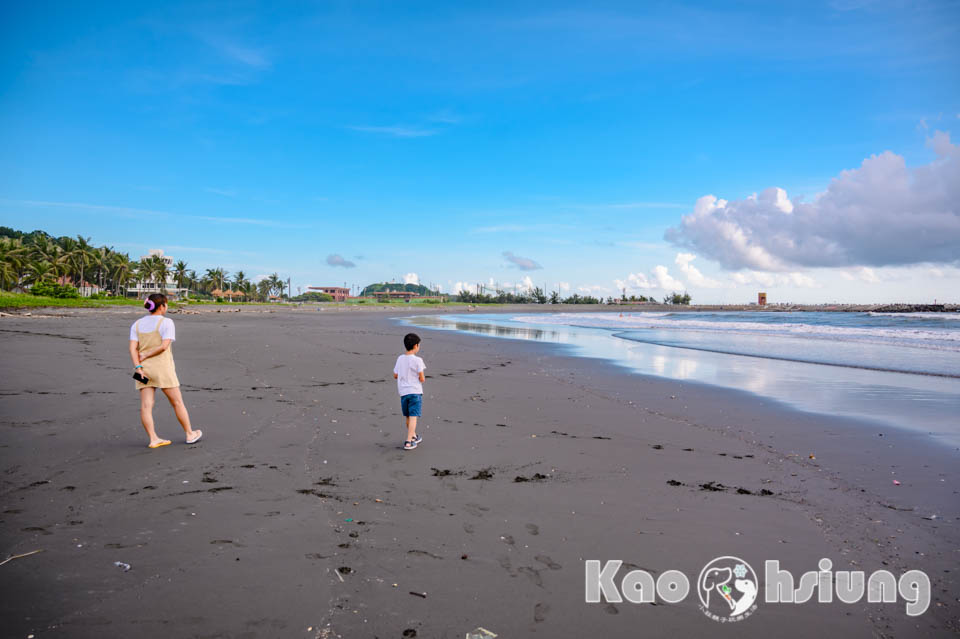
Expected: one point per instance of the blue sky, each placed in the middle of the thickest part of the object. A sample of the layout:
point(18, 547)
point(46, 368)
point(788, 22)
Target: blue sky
point(438, 140)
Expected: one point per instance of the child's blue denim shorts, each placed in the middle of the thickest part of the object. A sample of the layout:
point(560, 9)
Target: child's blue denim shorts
point(411, 404)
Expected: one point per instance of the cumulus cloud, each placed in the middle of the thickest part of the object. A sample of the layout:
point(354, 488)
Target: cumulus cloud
point(335, 259)
point(659, 278)
point(882, 213)
point(593, 290)
point(765, 278)
point(563, 286)
point(664, 280)
point(692, 273)
point(522, 263)
point(634, 281)
point(411, 278)
point(526, 285)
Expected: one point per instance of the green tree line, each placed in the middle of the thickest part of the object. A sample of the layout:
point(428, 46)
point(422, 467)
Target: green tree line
point(39, 261)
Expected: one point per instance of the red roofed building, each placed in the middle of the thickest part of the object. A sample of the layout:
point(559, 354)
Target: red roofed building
point(338, 293)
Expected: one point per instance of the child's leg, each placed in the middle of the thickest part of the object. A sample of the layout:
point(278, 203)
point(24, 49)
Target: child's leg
point(411, 428)
point(146, 414)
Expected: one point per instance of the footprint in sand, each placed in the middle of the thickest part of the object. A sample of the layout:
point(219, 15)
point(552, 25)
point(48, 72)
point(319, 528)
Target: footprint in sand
point(533, 574)
point(540, 612)
point(533, 529)
point(467, 528)
point(548, 562)
point(507, 539)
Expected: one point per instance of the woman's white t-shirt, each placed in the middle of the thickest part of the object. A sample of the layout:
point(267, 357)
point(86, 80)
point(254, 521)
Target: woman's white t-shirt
point(148, 324)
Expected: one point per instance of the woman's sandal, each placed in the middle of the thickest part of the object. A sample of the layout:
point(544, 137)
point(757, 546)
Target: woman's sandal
point(197, 435)
point(165, 442)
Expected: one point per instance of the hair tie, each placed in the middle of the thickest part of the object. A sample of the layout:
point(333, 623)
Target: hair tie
point(150, 305)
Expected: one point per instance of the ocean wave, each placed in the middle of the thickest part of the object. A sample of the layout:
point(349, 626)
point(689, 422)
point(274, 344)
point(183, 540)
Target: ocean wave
point(914, 337)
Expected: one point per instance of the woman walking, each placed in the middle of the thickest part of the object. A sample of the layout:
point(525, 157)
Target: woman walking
point(150, 341)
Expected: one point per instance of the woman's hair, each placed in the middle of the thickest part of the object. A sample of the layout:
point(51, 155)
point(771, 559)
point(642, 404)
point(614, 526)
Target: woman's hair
point(155, 301)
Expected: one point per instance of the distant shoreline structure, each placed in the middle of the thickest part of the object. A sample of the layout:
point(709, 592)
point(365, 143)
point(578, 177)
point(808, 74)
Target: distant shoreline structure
point(786, 308)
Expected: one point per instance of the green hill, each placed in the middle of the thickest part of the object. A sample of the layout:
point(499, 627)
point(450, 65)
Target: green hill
point(370, 289)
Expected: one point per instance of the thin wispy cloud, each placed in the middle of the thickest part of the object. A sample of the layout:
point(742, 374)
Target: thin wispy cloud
point(397, 131)
point(249, 56)
point(130, 212)
point(223, 192)
point(521, 228)
point(173, 248)
point(338, 260)
point(645, 205)
point(445, 117)
point(522, 263)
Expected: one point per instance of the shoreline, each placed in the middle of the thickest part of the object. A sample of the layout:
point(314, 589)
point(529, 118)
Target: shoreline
point(300, 457)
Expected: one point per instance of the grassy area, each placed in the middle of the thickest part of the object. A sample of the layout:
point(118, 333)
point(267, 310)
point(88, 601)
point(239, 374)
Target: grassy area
point(26, 300)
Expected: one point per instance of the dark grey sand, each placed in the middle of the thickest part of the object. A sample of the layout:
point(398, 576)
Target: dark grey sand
point(298, 516)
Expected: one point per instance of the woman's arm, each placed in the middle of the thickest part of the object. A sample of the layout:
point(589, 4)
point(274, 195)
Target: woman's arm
point(156, 351)
point(134, 353)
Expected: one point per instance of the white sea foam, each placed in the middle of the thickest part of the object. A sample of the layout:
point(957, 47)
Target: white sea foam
point(943, 339)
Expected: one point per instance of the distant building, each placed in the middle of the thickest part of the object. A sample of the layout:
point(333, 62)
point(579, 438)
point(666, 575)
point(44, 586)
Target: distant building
point(338, 293)
point(762, 299)
point(146, 287)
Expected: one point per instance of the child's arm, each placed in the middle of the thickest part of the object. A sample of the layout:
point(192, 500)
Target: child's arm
point(395, 376)
point(422, 377)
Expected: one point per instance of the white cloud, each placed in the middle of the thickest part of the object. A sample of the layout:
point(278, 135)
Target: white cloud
point(411, 278)
point(593, 290)
point(526, 285)
point(397, 131)
point(634, 281)
point(882, 213)
point(522, 263)
point(693, 274)
point(764, 278)
point(335, 259)
point(666, 281)
point(223, 192)
point(563, 286)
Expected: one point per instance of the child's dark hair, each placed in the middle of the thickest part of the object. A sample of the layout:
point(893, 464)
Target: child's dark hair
point(410, 340)
point(156, 300)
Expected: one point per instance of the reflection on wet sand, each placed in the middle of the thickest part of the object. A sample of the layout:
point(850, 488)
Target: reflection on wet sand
point(918, 402)
point(518, 332)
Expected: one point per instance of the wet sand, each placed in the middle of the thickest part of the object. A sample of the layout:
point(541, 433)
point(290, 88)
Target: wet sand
point(298, 515)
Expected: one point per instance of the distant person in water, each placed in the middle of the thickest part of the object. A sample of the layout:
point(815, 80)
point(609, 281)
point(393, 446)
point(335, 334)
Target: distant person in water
point(150, 340)
point(408, 372)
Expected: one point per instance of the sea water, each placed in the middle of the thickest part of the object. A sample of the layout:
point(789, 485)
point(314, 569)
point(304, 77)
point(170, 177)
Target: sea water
point(901, 369)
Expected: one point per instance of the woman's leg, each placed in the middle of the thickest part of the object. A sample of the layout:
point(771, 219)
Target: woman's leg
point(176, 400)
point(146, 415)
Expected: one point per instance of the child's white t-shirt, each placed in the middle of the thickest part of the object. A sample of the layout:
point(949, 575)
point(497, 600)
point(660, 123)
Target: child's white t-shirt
point(408, 371)
point(148, 324)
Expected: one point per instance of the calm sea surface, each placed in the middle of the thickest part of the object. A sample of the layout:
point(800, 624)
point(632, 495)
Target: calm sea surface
point(901, 369)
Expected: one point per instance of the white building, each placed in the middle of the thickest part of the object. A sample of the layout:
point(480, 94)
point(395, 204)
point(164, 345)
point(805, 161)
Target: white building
point(149, 286)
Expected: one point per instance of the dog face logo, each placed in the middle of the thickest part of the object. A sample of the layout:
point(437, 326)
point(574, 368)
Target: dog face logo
point(728, 589)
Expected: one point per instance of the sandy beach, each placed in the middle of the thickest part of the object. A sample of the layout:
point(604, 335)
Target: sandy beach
point(299, 516)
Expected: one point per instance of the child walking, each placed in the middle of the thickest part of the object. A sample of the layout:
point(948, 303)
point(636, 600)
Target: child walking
point(409, 375)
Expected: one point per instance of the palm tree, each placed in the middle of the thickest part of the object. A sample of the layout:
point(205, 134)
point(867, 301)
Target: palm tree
point(264, 287)
point(122, 271)
point(159, 272)
point(180, 272)
point(12, 257)
point(240, 281)
point(276, 284)
point(41, 272)
point(82, 256)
